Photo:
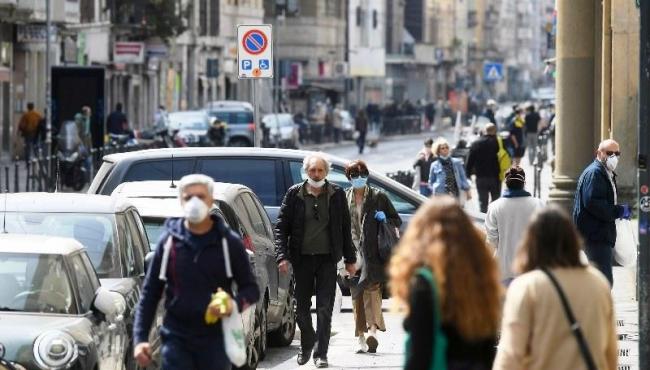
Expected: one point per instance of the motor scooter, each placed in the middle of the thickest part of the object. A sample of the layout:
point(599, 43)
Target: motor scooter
point(71, 156)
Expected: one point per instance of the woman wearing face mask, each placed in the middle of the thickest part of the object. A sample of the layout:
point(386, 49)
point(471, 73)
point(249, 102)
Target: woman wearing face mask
point(368, 208)
point(447, 174)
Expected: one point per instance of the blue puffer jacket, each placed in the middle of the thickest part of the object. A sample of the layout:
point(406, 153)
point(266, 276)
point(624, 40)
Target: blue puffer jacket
point(437, 176)
point(594, 211)
point(193, 273)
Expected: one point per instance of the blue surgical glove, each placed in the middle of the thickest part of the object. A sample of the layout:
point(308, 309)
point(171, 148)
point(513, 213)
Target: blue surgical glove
point(626, 213)
point(380, 216)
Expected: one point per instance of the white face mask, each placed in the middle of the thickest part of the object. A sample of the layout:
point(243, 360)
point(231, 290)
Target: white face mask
point(316, 184)
point(195, 210)
point(611, 162)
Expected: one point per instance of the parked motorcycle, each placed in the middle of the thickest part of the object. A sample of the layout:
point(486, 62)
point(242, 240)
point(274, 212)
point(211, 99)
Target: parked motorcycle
point(71, 156)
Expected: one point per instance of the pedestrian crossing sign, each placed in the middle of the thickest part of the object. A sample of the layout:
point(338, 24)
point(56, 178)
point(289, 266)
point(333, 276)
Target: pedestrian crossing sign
point(493, 71)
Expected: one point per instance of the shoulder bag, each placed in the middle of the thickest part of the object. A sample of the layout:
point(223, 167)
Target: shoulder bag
point(504, 159)
point(575, 326)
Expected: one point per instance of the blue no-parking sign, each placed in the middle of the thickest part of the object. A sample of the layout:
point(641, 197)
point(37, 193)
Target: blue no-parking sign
point(255, 51)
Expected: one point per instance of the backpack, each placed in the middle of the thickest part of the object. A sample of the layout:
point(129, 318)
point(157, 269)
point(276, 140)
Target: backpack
point(504, 160)
point(439, 350)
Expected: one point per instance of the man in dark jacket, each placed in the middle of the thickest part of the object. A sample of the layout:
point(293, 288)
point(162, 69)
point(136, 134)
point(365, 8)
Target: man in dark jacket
point(595, 207)
point(116, 123)
point(313, 233)
point(532, 130)
point(189, 265)
point(484, 163)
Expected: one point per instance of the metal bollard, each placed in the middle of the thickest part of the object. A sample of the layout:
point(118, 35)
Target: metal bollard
point(16, 190)
point(6, 179)
point(28, 166)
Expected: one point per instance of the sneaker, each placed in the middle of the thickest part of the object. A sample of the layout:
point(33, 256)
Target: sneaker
point(363, 347)
point(321, 362)
point(372, 344)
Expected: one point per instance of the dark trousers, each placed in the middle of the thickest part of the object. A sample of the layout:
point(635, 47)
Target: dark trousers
point(315, 275)
point(180, 352)
point(487, 187)
point(361, 141)
point(601, 256)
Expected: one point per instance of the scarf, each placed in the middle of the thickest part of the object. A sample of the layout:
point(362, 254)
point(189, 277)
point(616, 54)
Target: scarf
point(450, 178)
point(514, 193)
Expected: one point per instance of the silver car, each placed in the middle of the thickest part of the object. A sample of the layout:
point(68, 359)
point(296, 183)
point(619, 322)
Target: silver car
point(240, 119)
point(191, 126)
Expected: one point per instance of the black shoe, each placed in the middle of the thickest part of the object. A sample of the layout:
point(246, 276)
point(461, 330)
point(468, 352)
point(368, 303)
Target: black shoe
point(320, 362)
point(304, 355)
point(372, 344)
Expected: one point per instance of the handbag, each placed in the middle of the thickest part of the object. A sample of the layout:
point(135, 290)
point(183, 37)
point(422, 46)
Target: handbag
point(233, 326)
point(386, 240)
point(575, 326)
point(504, 160)
point(439, 345)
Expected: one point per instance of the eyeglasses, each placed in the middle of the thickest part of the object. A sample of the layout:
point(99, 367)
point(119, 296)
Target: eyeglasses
point(316, 214)
point(611, 153)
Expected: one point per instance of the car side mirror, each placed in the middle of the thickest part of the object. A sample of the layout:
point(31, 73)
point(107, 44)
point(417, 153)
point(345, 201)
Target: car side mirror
point(147, 260)
point(111, 304)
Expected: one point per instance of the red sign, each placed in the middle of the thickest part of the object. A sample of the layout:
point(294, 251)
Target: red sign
point(255, 42)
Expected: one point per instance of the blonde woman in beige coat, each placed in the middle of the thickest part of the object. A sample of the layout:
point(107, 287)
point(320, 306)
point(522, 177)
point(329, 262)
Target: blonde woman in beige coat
point(536, 333)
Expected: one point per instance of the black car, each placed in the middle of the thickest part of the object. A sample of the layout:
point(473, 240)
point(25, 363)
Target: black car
point(53, 312)
point(242, 210)
point(110, 229)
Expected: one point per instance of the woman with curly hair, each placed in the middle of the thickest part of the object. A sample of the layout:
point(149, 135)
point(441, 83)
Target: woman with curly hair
point(444, 276)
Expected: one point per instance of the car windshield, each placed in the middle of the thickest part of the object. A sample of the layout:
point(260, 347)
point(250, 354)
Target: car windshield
point(154, 227)
point(34, 283)
point(233, 117)
point(94, 231)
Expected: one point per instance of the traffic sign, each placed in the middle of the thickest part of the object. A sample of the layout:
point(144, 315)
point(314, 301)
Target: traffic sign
point(255, 51)
point(493, 71)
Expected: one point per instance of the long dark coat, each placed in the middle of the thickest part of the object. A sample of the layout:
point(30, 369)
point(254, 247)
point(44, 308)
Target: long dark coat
point(373, 270)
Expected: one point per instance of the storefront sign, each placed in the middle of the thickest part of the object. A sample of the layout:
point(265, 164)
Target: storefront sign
point(35, 33)
point(128, 52)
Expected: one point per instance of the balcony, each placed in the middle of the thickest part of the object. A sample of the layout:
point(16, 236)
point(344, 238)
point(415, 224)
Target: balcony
point(63, 11)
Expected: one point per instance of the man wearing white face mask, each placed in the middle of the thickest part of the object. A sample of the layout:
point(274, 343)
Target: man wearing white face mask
point(595, 207)
point(313, 233)
point(189, 266)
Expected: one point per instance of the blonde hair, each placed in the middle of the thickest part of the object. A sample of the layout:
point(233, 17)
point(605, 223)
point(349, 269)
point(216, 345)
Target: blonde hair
point(438, 143)
point(442, 238)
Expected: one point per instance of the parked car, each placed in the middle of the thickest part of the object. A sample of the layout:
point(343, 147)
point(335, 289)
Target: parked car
point(243, 212)
point(347, 125)
point(239, 116)
point(283, 132)
point(53, 312)
point(191, 127)
point(109, 228)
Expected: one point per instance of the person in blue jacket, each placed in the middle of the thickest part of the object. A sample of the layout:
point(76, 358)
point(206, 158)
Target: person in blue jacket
point(189, 266)
point(447, 174)
point(595, 207)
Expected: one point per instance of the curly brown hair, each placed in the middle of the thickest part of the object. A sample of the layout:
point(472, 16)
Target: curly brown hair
point(442, 237)
point(356, 168)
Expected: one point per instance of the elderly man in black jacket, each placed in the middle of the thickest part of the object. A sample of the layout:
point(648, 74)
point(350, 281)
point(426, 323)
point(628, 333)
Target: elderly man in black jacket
point(313, 233)
point(483, 162)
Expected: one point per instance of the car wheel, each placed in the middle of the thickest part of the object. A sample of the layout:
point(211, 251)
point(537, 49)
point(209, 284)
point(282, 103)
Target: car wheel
point(283, 336)
point(239, 142)
point(262, 340)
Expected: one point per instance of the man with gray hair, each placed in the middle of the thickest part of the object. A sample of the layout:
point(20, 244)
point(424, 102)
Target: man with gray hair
point(313, 233)
point(189, 266)
point(595, 207)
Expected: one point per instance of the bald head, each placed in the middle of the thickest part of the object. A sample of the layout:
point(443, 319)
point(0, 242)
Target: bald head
point(605, 146)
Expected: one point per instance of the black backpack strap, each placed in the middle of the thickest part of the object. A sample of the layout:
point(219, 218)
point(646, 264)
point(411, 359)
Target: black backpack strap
point(575, 326)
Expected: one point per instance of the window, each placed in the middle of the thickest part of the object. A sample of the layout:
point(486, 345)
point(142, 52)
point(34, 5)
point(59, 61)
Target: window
point(243, 214)
point(154, 227)
point(336, 175)
point(93, 231)
point(91, 271)
point(401, 204)
point(84, 285)
point(257, 220)
point(257, 174)
point(138, 244)
point(203, 17)
point(127, 248)
point(159, 170)
point(214, 17)
point(233, 118)
point(231, 217)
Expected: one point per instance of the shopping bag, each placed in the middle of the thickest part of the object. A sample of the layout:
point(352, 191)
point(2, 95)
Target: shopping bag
point(234, 337)
point(625, 248)
point(232, 326)
point(504, 160)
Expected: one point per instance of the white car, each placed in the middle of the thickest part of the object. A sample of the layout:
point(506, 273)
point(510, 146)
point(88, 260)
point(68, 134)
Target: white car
point(282, 130)
point(347, 125)
point(191, 126)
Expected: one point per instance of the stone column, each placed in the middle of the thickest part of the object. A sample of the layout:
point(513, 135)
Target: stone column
point(624, 93)
point(575, 96)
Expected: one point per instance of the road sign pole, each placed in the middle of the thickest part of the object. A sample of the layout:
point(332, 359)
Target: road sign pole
point(258, 120)
point(643, 262)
